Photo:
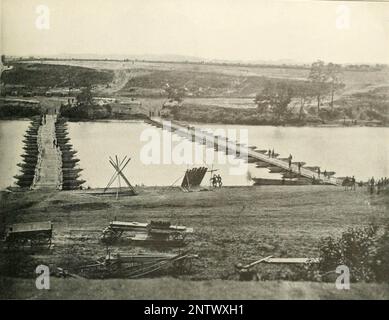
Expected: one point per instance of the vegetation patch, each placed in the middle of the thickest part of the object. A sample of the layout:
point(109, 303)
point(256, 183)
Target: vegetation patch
point(13, 110)
point(47, 75)
point(85, 206)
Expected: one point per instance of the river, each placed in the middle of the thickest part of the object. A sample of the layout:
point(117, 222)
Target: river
point(359, 151)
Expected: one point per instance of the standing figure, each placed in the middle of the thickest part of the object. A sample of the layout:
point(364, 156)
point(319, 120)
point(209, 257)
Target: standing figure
point(219, 181)
point(214, 181)
point(372, 185)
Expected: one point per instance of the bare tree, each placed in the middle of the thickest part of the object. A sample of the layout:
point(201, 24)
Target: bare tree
point(85, 97)
point(318, 77)
point(334, 78)
point(304, 94)
point(277, 95)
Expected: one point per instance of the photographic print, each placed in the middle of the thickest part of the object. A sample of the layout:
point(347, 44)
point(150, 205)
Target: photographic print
point(194, 150)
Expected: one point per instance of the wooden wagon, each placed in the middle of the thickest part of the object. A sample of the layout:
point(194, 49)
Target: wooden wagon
point(33, 234)
point(158, 233)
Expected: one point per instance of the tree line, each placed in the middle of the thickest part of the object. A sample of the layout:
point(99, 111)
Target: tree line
point(323, 80)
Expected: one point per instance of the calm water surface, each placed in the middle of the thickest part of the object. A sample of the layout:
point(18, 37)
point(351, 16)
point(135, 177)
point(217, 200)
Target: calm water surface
point(11, 149)
point(359, 151)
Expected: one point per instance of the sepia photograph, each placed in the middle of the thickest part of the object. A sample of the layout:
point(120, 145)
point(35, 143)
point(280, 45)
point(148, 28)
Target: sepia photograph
point(194, 150)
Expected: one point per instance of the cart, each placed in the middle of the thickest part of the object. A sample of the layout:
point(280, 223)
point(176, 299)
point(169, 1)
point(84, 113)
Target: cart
point(32, 234)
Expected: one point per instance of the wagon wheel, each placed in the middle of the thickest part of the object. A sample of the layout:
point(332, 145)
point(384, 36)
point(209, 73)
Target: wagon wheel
point(20, 243)
point(110, 236)
point(11, 245)
point(178, 238)
point(40, 240)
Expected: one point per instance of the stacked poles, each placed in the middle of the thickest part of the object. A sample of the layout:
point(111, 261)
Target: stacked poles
point(193, 177)
point(119, 166)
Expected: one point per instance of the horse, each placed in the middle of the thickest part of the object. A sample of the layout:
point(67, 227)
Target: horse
point(348, 183)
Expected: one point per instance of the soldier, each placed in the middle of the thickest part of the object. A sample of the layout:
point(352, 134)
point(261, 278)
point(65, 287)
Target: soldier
point(214, 181)
point(372, 185)
point(219, 181)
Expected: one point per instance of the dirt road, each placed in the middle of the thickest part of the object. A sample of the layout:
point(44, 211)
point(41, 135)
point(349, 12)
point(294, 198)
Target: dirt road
point(120, 79)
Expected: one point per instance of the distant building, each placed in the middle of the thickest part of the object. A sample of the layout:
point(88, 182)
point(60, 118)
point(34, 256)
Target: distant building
point(62, 92)
point(19, 102)
point(125, 107)
point(104, 101)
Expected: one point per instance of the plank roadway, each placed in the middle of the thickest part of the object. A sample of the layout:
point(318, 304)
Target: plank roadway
point(201, 135)
point(48, 173)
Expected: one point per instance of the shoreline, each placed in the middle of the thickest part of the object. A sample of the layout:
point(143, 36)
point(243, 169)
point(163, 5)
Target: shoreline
point(327, 125)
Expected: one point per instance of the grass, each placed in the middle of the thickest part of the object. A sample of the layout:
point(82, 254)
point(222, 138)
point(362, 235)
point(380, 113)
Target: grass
point(234, 224)
point(170, 288)
point(199, 84)
point(47, 75)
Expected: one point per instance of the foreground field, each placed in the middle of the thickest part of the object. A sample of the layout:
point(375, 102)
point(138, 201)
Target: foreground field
point(237, 224)
point(168, 288)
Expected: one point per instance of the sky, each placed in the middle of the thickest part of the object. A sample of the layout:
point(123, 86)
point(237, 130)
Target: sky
point(245, 30)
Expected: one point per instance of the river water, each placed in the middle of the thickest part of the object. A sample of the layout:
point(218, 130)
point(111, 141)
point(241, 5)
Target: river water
point(359, 151)
point(11, 149)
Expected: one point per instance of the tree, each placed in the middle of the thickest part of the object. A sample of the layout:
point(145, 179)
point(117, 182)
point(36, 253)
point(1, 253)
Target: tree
point(174, 94)
point(304, 94)
point(85, 96)
point(318, 77)
point(334, 74)
point(277, 96)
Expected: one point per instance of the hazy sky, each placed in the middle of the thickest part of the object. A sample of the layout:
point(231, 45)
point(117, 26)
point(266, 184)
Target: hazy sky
point(213, 29)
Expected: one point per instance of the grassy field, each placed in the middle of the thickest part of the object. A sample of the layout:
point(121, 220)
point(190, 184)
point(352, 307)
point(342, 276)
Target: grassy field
point(354, 80)
point(210, 89)
point(235, 224)
point(47, 75)
point(170, 288)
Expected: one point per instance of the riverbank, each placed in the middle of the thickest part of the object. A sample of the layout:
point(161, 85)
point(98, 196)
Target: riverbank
point(231, 225)
point(334, 124)
point(250, 116)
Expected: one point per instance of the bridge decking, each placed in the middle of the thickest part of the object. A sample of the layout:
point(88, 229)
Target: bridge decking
point(48, 172)
point(200, 135)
